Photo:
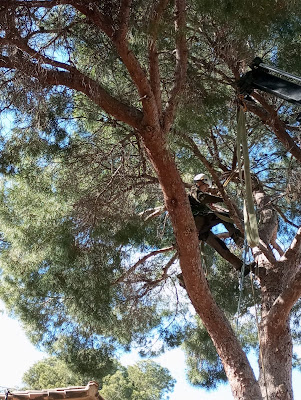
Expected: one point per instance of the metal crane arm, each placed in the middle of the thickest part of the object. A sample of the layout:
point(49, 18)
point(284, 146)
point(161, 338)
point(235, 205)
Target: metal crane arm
point(272, 80)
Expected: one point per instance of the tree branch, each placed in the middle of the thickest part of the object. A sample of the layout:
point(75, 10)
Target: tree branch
point(181, 63)
point(152, 212)
point(284, 217)
point(92, 12)
point(21, 44)
point(74, 79)
point(294, 250)
point(270, 117)
point(265, 250)
point(282, 306)
point(123, 19)
point(142, 261)
point(31, 4)
point(153, 53)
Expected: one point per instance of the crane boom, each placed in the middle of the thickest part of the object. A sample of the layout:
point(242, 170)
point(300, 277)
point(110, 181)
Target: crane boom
point(271, 80)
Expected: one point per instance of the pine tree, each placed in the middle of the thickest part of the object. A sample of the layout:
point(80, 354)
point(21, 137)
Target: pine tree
point(116, 105)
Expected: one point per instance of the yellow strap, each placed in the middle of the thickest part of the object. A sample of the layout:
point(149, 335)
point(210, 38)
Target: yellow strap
point(250, 221)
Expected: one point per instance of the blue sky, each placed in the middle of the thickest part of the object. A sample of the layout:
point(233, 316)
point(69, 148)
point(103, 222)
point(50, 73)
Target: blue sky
point(17, 354)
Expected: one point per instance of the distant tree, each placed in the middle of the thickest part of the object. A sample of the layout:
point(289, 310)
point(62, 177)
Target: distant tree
point(51, 373)
point(145, 380)
point(109, 108)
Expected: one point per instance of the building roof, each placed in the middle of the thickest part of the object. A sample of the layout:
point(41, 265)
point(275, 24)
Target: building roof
point(89, 392)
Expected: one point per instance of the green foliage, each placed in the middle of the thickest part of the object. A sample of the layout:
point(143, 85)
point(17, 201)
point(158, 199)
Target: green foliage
point(51, 373)
point(145, 380)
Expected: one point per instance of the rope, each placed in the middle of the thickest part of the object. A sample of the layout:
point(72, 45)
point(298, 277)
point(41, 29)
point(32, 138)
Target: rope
point(259, 339)
point(241, 281)
point(203, 259)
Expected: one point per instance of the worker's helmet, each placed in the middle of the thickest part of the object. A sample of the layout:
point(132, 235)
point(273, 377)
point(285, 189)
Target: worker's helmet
point(204, 178)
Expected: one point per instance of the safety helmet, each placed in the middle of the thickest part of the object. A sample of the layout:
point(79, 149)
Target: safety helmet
point(204, 178)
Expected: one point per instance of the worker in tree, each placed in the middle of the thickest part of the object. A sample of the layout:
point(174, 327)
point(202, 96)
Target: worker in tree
point(202, 198)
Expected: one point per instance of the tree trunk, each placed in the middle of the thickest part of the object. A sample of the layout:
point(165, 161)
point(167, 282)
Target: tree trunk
point(276, 363)
point(275, 356)
point(275, 343)
point(239, 372)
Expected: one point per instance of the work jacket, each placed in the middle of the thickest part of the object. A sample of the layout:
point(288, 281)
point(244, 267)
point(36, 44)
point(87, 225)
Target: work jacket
point(200, 201)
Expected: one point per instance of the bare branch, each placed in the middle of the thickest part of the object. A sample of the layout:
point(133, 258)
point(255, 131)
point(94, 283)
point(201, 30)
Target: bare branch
point(141, 261)
point(269, 116)
point(150, 284)
point(152, 212)
point(284, 217)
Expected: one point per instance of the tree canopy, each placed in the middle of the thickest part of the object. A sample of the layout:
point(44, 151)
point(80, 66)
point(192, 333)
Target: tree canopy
point(108, 111)
point(144, 380)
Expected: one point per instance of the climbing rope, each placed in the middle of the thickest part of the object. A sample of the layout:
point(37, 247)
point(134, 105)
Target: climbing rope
point(241, 285)
point(241, 281)
point(203, 259)
point(259, 339)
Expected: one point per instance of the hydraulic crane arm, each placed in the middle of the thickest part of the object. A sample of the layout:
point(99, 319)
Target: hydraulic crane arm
point(272, 80)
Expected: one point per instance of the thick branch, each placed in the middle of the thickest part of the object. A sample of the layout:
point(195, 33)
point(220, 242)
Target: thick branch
point(123, 19)
point(266, 250)
point(78, 81)
point(268, 215)
point(293, 252)
point(269, 116)
point(181, 63)
point(21, 44)
point(153, 52)
point(92, 12)
point(282, 306)
point(141, 81)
